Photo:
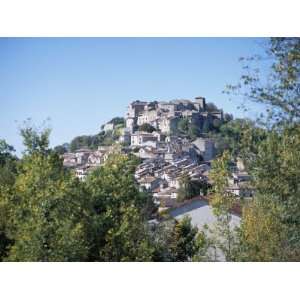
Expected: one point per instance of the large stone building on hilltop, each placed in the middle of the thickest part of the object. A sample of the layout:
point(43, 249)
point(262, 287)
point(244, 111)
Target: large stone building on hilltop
point(164, 116)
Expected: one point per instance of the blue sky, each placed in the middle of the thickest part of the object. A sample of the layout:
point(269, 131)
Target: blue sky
point(80, 83)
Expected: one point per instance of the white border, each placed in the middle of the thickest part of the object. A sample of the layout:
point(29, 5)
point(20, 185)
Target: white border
point(149, 281)
point(149, 18)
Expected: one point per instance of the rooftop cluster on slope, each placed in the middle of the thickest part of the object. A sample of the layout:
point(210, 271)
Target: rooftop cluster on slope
point(166, 155)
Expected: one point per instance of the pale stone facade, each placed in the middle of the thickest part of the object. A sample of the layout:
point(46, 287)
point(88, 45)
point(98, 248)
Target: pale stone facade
point(140, 138)
point(165, 115)
point(206, 147)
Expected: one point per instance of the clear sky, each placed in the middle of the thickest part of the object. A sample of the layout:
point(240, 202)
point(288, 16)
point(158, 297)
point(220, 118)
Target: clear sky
point(81, 83)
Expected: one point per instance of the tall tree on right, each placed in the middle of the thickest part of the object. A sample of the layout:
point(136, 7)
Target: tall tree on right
point(276, 177)
point(223, 202)
point(273, 81)
point(274, 161)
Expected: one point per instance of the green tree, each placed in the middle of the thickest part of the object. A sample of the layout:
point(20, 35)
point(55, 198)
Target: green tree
point(262, 234)
point(118, 121)
point(183, 125)
point(240, 137)
point(147, 128)
point(5, 238)
point(223, 202)
point(94, 141)
point(178, 241)
point(46, 207)
point(187, 189)
point(184, 241)
point(8, 164)
point(228, 117)
point(8, 173)
point(276, 176)
point(206, 126)
point(190, 188)
point(193, 131)
point(61, 149)
point(216, 124)
point(211, 107)
point(161, 236)
point(83, 141)
point(6, 152)
point(35, 139)
point(280, 92)
point(273, 161)
point(129, 239)
point(115, 197)
point(202, 247)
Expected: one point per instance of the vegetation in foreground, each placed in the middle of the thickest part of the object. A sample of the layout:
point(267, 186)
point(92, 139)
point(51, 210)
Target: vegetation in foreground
point(46, 214)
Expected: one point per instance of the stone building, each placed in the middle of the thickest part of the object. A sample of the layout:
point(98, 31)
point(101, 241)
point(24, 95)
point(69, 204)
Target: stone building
point(164, 116)
point(134, 109)
point(139, 138)
point(167, 125)
point(125, 136)
point(206, 147)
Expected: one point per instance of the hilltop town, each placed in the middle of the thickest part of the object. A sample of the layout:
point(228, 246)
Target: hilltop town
point(152, 131)
point(165, 181)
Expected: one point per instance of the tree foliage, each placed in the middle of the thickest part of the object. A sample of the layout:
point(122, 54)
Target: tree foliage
point(117, 121)
point(262, 233)
point(147, 128)
point(127, 239)
point(270, 224)
point(61, 149)
point(184, 243)
point(94, 141)
point(115, 198)
point(8, 164)
point(183, 125)
point(211, 107)
point(46, 208)
point(277, 88)
point(240, 137)
point(276, 177)
point(8, 173)
point(223, 202)
point(190, 188)
point(46, 214)
point(188, 128)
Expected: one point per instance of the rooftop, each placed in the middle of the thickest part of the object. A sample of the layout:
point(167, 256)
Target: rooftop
point(147, 179)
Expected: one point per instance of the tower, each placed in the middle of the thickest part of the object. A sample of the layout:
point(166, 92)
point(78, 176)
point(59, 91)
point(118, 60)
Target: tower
point(201, 101)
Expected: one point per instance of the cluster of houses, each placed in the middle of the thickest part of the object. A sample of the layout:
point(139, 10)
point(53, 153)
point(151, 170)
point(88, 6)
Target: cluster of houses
point(162, 178)
point(165, 161)
point(82, 161)
point(165, 156)
point(150, 145)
